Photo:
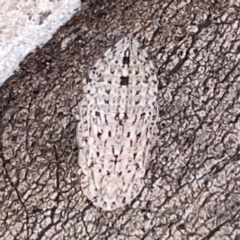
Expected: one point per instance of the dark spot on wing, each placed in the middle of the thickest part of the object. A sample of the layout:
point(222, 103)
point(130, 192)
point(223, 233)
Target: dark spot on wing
point(126, 57)
point(138, 135)
point(135, 120)
point(105, 117)
point(121, 151)
point(124, 81)
point(142, 115)
point(93, 69)
point(117, 116)
point(137, 166)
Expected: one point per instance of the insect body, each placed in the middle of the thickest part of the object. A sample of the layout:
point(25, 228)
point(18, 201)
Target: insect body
point(117, 124)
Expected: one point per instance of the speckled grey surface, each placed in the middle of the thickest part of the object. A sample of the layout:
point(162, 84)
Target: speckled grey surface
point(192, 187)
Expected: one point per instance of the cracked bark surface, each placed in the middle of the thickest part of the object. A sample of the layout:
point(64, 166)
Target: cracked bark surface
point(193, 185)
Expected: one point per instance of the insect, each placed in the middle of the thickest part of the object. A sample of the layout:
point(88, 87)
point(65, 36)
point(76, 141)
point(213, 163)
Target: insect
point(117, 123)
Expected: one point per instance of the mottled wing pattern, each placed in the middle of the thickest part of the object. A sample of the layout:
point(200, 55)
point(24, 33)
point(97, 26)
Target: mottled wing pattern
point(118, 121)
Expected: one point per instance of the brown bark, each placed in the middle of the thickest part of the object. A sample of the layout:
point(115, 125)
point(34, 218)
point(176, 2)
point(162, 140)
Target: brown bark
point(193, 184)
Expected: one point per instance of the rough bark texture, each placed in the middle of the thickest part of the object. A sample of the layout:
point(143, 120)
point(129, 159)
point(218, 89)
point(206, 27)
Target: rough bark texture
point(193, 185)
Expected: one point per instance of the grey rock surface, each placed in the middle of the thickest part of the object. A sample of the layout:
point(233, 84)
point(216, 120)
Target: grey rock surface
point(193, 184)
